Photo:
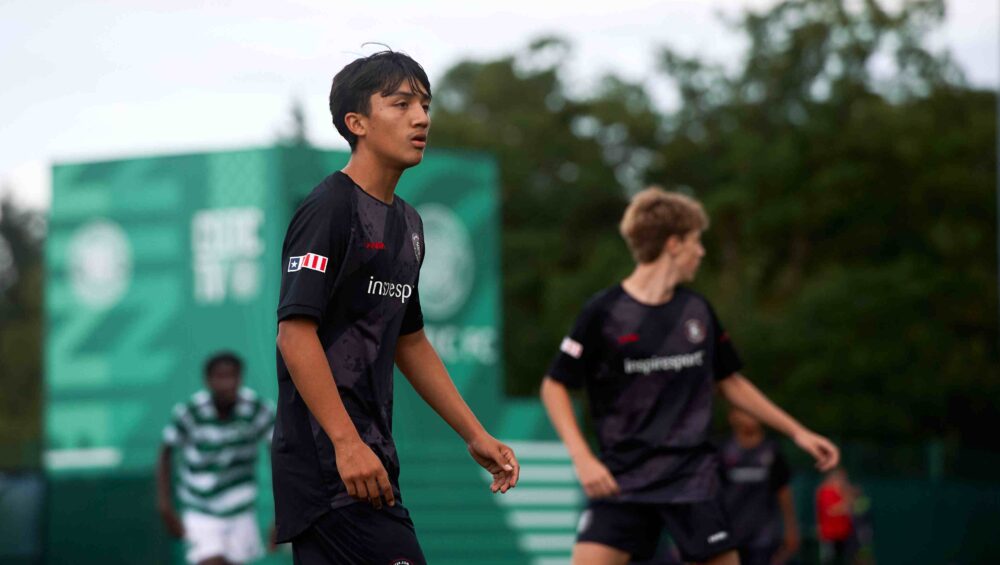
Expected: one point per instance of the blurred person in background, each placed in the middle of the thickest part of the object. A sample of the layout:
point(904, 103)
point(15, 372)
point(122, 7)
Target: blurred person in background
point(834, 506)
point(650, 354)
point(349, 308)
point(757, 493)
point(218, 432)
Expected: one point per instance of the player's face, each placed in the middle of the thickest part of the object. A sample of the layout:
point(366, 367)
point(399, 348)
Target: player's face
point(688, 254)
point(743, 422)
point(224, 383)
point(397, 126)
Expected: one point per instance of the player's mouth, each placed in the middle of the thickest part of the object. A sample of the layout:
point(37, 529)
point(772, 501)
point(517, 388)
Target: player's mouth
point(419, 140)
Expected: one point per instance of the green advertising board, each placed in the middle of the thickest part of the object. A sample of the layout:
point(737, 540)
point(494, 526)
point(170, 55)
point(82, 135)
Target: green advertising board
point(155, 263)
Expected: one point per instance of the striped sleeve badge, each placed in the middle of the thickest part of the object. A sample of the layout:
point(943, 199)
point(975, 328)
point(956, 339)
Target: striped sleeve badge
point(307, 261)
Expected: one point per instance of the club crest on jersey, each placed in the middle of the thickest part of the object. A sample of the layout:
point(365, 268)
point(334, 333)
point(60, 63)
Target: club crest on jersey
point(695, 331)
point(307, 261)
point(416, 246)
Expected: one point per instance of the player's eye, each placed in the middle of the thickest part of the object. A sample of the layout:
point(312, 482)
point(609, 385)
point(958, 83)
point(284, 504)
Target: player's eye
point(427, 107)
point(402, 104)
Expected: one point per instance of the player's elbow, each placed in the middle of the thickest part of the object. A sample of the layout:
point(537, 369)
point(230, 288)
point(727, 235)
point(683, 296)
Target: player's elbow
point(291, 332)
point(551, 387)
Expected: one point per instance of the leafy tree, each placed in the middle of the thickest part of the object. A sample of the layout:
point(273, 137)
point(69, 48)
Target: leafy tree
point(850, 175)
point(21, 276)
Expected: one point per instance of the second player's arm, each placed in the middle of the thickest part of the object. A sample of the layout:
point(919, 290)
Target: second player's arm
point(790, 545)
point(596, 480)
point(360, 469)
point(164, 499)
point(421, 365)
point(742, 393)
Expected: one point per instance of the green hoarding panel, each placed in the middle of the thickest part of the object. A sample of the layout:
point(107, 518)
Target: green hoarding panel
point(154, 263)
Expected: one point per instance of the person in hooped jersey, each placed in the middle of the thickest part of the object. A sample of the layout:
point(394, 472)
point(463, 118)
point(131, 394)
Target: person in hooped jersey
point(349, 308)
point(650, 354)
point(757, 494)
point(218, 433)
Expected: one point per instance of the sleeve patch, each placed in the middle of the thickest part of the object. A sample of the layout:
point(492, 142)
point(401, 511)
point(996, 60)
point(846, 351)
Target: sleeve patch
point(571, 347)
point(307, 261)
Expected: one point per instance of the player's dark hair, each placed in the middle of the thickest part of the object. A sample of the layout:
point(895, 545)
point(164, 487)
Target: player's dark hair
point(223, 357)
point(380, 72)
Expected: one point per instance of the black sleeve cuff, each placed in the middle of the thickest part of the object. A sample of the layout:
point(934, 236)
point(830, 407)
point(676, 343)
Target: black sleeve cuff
point(296, 310)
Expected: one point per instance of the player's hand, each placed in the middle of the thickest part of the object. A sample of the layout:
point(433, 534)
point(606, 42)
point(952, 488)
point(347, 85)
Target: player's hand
point(596, 480)
point(498, 459)
point(363, 473)
point(272, 539)
point(789, 548)
point(174, 525)
point(825, 453)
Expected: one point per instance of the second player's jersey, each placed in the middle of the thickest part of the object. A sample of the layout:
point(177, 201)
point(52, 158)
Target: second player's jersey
point(350, 262)
point(751, 481)
point(218, 456)
point(650, 372)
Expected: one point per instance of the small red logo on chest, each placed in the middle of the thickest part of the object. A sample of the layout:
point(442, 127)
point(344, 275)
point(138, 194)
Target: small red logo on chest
point(374, 245)
point(628, 338)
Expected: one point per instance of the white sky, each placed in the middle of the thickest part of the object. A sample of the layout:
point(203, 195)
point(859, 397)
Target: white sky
point(107, 79)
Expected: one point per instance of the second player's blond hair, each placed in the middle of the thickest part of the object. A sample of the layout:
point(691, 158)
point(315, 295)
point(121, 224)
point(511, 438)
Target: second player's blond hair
point(656, 214)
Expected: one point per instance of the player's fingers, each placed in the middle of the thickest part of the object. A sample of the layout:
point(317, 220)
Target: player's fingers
point(501, 461)
point(613, 487)
point(831, 455)
point(374, 496)
point(512, 461)
point(352, 490)
point(386, 489)
point(361, 489)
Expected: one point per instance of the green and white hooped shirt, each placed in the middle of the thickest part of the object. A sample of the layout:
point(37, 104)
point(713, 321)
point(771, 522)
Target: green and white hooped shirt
point(218, 457)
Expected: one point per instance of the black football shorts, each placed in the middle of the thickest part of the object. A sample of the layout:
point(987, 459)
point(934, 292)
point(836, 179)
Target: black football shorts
point(358, 534)
point(699, 529)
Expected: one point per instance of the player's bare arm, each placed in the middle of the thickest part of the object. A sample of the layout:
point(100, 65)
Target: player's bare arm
point(359, 468)
point(421, 365)
point(790, 544)
point(595, 478)
point(742, 393)
point(164, 501)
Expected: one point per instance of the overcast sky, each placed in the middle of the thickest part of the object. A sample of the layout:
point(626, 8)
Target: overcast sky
point(106, 79)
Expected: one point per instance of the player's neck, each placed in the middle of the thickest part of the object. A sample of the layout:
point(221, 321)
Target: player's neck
point(653, 283)
point(374, 177)
point(224, 411)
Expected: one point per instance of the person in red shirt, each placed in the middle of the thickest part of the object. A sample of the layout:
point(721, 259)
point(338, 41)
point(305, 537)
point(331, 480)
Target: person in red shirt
point(834, 500)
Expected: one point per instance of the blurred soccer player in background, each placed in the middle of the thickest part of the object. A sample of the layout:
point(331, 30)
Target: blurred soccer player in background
point(757, 494)
point(218, 432)
point(650, 354)
point(350, 307)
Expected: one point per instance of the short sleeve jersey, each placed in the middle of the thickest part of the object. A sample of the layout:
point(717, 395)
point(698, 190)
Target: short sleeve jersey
point(649, 372)
point(218, 456)
point(751, 481)
point(351, 263)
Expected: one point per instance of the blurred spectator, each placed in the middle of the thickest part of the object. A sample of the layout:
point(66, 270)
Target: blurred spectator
point(834, 505)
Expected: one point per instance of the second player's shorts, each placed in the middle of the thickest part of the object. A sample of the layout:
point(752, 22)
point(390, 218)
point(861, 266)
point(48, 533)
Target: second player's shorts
point(237, 538)
point(358, 534)
point(699, 529)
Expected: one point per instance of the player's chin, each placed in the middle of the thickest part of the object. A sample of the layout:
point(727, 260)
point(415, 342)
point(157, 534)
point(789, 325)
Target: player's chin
point(412, 157)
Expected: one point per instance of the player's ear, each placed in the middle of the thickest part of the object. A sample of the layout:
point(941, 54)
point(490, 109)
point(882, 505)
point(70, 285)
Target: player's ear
point(672, 245)
point(356, 123)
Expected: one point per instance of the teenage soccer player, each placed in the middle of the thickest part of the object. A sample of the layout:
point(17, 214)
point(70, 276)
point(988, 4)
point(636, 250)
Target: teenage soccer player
point(349, 308)
point(757, 494)
point(650, 354)
point(218, 432)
